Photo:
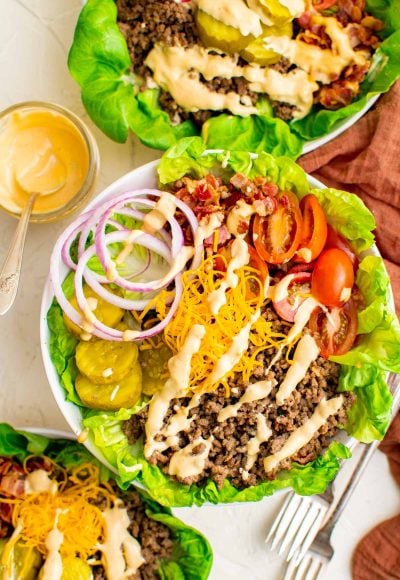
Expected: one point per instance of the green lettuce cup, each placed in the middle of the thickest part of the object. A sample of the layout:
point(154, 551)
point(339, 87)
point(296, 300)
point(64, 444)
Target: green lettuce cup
point(30, 461)
point(363, 368)
point(100, 62)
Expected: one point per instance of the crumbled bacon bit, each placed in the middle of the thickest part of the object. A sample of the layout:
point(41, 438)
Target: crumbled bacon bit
point(203, 193)
point(242, 227)
point(241, 182)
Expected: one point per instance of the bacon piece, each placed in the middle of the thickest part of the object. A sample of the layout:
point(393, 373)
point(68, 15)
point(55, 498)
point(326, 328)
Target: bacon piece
point(6, 510)
point(240, 181)
point(13, 484)
point(5, 529)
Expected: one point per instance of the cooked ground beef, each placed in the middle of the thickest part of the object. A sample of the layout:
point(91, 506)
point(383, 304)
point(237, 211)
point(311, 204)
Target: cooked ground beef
point(283, 110)
point(227, 457)
point(145, 22)
point(154, 538)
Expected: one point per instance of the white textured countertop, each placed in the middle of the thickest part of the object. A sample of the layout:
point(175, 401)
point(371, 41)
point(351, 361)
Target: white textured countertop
point(35, 37)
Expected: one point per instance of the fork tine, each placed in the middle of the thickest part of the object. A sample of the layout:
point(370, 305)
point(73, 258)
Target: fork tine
point(295, 525)
point(287, 517)
point(314, 569)
point(312, 514)
point(302, 570)
point(309, 537)
point(290, 570)
point(282, 520)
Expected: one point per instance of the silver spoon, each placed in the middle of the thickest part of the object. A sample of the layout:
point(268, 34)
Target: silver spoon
point(11, 270)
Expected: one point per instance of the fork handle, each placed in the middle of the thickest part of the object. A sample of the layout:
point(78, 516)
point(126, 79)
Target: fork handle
point(334, 514)
point(337, 510)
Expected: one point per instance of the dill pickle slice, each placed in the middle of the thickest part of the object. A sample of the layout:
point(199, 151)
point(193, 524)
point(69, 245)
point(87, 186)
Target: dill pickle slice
point(105, 362)
point(75, 569)
point(270, 11)
point(154, 368)
point(105, 312)
point(26, 562)
point(112, 397)
point(256, 51)
point(215, 34)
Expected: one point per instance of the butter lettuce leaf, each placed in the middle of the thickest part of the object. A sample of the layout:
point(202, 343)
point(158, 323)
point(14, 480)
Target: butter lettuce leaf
point(99, 61)
point(192, 554)
point(253, 133)
point(191, 157)
point(348, 215)
point(62, 346)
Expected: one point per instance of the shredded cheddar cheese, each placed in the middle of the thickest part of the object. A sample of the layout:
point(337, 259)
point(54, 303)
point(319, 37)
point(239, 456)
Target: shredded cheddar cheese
point(221, 328)
point(79, 520)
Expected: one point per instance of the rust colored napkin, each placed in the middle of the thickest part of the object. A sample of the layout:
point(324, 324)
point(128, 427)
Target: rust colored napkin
point(366, 160)
point(377, 556)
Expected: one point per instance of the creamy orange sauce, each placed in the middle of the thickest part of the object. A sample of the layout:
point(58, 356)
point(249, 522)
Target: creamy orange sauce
point(40, 151)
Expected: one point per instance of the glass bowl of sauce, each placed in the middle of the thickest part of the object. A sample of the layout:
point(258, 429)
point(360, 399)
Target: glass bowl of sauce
point(45, 146)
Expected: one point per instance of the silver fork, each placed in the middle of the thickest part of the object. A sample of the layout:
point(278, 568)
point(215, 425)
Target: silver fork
point(311, 559)
point(300, 518)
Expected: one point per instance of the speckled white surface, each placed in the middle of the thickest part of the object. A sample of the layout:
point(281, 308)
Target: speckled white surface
point(35, 37)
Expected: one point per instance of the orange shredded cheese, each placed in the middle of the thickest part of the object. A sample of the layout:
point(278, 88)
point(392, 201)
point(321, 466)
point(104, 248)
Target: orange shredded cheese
point(80, 521)
point(220, 328)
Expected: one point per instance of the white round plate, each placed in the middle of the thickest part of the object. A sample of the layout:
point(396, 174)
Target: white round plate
point(142, 177)
point(339, 128)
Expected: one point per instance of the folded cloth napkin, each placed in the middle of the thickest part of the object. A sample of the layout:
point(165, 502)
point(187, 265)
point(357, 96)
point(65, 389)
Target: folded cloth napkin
point(377, 556)
point(365, 160)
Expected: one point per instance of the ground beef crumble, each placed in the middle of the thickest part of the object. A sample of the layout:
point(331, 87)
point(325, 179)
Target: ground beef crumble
point(227, 457)
point(155, 539)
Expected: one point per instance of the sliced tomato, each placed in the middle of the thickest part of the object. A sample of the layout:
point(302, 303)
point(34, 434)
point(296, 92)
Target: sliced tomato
point(223, 257)
point(314, 230)
point(333, 278)
point(258, 264)
point(276, 237)
point(299, 289)
point(335, 240)
point(335, 330)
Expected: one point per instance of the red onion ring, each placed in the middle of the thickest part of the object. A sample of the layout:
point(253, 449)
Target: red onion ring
point(166, 244)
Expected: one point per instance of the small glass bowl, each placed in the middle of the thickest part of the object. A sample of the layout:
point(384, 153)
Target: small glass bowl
point(86, 190)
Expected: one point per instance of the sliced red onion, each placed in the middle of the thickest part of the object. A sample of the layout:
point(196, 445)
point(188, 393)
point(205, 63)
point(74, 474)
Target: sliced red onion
point(82, 272)
point(167, 244)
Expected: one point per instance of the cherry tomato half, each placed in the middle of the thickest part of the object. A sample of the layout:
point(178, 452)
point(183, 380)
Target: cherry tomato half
point(298, 290)
point(313, 236)
point(276, 237)
point(333, 278)
point(255, 262)
point(335, 331)
point(335, 240)
point(258, 264)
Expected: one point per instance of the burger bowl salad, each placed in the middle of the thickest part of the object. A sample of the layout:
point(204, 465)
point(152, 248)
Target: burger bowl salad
point(257, 75)
point(63, 516)
point(219, 333)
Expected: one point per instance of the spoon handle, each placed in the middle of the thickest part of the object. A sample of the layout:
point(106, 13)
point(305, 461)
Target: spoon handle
point(11, 270)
